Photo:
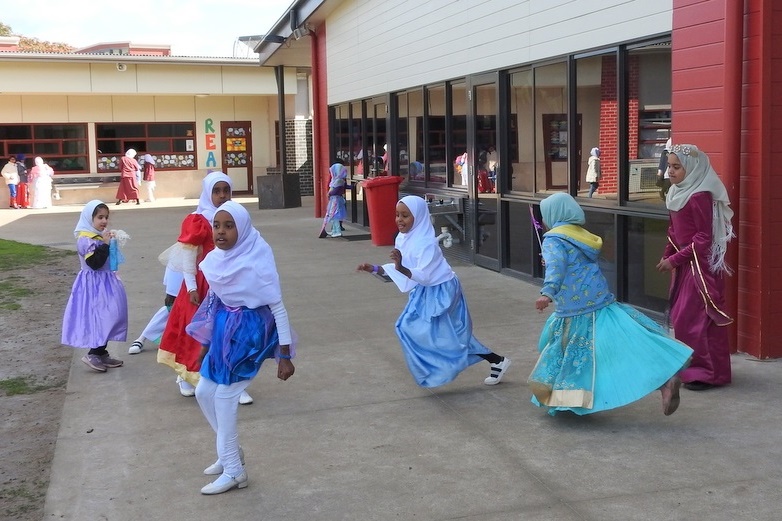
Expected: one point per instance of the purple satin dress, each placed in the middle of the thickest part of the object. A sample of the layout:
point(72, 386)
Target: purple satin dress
point(97, 310)
point(697, 294)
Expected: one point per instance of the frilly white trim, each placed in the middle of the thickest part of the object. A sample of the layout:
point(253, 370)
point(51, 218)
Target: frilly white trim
point(180, 257)
point(121, 236)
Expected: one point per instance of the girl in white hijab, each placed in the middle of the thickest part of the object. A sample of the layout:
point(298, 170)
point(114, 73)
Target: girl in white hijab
point(698, 238)
point(177, 349)
point(435, 328)
point(41, 180)
point(241, 323)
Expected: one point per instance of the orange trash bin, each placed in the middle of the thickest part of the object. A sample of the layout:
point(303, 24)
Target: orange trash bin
point(382, 194)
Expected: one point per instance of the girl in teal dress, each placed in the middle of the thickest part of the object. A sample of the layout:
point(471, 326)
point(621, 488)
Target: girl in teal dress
point(595, 353)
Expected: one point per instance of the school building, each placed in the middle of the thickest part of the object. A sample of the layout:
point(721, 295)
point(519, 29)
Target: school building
point(525, 89)
point(82, 111)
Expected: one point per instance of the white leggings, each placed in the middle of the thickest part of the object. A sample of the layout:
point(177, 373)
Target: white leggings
point(219, 403)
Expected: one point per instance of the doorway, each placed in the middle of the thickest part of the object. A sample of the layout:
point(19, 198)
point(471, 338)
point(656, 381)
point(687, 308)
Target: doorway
point(482, 142)
point(238, 155)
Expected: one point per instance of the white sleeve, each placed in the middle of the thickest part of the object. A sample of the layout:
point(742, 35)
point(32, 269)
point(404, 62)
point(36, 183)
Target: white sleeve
point(281, 319)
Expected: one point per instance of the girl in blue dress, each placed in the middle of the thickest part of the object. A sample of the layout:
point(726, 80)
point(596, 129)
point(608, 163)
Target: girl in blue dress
point(435, 328)
point(240, 323)
point(595, 353)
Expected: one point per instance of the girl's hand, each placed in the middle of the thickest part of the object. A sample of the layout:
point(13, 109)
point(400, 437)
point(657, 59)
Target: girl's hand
point(365, 267)
point(542, 302)
point(664, 265)
point(396, 256)
point(193, 296)
point(285, 369)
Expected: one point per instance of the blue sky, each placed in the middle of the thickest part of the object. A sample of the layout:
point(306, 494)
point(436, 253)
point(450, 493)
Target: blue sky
point(191, 27)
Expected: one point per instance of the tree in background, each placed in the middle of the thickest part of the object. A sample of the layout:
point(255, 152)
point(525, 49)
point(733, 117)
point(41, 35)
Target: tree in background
point(34, 44)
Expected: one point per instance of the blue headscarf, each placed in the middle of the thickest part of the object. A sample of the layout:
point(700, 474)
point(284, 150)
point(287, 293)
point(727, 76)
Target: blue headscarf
point(560, 209)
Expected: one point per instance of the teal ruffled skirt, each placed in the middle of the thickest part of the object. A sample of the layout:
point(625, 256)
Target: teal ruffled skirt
point(603, 360)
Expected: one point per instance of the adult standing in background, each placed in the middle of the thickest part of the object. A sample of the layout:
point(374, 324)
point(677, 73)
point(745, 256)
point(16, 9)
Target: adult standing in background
point(128, 185)
point(41, 180)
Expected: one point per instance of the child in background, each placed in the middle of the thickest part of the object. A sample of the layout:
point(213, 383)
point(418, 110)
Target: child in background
point(177, 349)
point(593, 171)
point(11, 175)
point(335, 210)
point(149, 176)
point(595, 353)
point(241, 322)
point(435, 328)
point(97, 310)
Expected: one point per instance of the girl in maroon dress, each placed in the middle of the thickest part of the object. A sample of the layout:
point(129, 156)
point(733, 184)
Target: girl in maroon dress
point(179, 350)
point(698, 237)
point(128, 181)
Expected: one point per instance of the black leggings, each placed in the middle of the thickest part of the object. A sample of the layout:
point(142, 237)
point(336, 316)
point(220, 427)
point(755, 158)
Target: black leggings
point(100, 351)
point(493, 358)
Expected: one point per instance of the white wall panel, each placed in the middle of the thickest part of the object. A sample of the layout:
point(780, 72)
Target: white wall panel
point(375, 47)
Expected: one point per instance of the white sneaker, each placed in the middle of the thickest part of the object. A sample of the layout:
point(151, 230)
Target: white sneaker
point(245, 399)
point(497, 372)
point(135, 348)
point(185, 389)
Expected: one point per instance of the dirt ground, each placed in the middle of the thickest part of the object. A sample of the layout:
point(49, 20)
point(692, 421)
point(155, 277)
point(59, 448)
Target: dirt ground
point(35, 365)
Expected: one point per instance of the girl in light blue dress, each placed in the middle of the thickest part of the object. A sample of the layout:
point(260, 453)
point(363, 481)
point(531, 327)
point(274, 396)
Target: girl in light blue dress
point(595, 353)
point(435, 328)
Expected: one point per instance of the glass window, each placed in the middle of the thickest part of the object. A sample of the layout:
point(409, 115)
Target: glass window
point(357, 139)
point(646, 240)
point(602, 224)
point(521, 252)
point(551, 138)
point(402, 138)
point(415, 108)
point(649, 125)
point(170, 143)
point(458, 147)
point(521, 173)
point(436, 135)
point(597, 102)
point(341, 141)
point(64, 147)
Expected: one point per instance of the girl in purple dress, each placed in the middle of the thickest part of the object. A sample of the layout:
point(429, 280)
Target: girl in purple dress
point(698, 238)
point(97, 309)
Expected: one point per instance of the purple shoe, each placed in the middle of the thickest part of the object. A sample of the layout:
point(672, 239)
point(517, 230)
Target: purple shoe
point(94, 362)
point(108, 361)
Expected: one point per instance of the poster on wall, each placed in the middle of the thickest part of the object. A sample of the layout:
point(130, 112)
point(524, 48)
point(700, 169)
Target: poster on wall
point(189, 145)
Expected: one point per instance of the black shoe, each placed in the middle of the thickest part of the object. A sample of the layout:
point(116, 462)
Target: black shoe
point(698, 386)
point(118, 203)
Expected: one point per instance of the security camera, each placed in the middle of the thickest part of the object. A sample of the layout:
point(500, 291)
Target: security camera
point(121, 67)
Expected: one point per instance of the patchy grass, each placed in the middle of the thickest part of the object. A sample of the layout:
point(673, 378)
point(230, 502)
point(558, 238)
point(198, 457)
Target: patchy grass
point(18, 254)
point(24, 385)
point(23, 499)
point(11, 291)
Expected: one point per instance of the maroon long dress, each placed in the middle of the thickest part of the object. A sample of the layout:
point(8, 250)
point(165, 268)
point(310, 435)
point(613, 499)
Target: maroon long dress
point(697, 294)
point(128, 184)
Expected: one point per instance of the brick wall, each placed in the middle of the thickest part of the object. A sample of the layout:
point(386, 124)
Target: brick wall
point(298, 141)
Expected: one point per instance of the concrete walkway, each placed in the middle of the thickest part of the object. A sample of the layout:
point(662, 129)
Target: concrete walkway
point(351, 437)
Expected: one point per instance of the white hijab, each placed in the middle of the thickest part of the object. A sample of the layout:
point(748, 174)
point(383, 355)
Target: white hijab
point(245, 275)
point(85, 219)
point(701, 177)
point(131, 153)
point(421, 252)
point(205, 206)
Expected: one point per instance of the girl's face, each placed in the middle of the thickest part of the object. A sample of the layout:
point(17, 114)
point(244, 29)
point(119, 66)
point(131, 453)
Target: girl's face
point(221, 193)
point(224, 231)
point(100, 219)
point(676, 172)
point(404, 218)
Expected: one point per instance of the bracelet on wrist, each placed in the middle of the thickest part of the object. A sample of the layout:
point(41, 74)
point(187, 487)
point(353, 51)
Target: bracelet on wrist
point(375, 268)
point(285, 357)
